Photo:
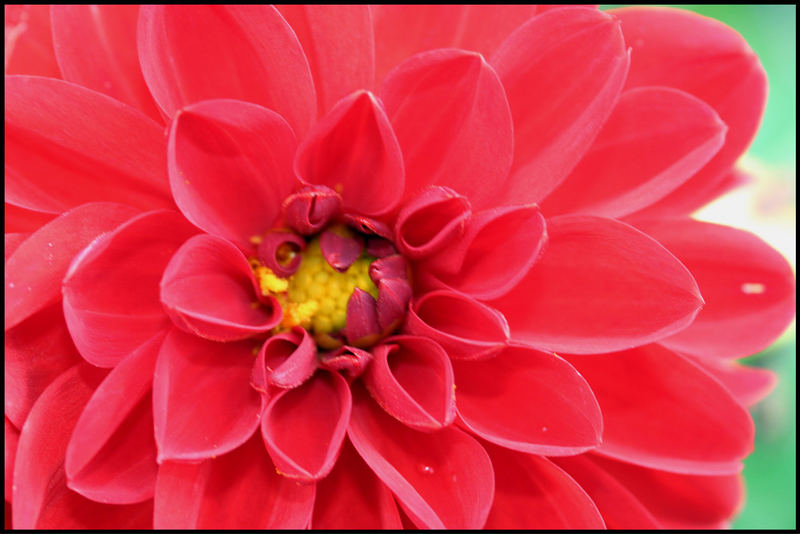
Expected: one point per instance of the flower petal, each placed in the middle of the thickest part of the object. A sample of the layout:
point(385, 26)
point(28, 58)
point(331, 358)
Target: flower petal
point(17, 219)
point(709, 60)
point(562, 72)
point(339, 66)
point(111, 301)
point(655, 139)
point(36, 352)
point(618, 505)
point(209, 289)
point(662, 411)
point(749, 385)
point(28, 41)
point(285, 360)
point(529, 401)
point(244, 146)
point(600, 286)
point(10, 441)
point(452, 121)
point(303, 428)
point(404, 30)
point(430, 220)
point(67, 145)
point(748, 286)
point(533, 493)
point(202, 405)
point(498, 248)
point(412, 379)
point(679, 501)
point(34, 271)
point(352, 497)
point(354, 151)
point(239, 490)
point(244, 52)
point(96, 48)
point(111, 456)
point(442, 479)
point(461, 325)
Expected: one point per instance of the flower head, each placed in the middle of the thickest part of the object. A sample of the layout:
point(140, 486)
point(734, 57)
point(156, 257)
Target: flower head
point(324, 266)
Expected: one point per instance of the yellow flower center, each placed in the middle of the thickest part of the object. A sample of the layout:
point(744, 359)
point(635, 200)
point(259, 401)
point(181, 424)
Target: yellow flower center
point(315, 297)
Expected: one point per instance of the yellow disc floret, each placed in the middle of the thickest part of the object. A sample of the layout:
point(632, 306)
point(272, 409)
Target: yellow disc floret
point(316, 295)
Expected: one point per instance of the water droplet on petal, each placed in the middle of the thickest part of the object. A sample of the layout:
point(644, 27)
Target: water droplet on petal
point(426, 469)
point(544, 429)
point(11, 285)
point(751, 288)
point(50, 244)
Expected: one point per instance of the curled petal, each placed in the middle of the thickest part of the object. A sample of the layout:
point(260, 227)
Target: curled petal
point(412, 379)
point(96, 47)
point(600, 286)
point(303, 428)
point(340, 251)
point(461, 325)
point(61, 149)
point(33, 273)
point(29, 41)
point(362, 328)
point(368, 225)
point(497, 250)
point(285, 360)
point(655, 139)
point(393, 298)
point(351, 360)
point(748, 287)
point(442, 479)
point(555, 121)
point(453, 123)
point(675, 48)
point(238, 490)
point(430, 221)
point(351, 485)
point(246, 52)
point(111, 456)
point(278, 250)
point(209, 289)
point(531, 492)
point(202, 406)
point(379, 247)
point(244, 146)
point(645, 394)
point(529, 401)
point(393, 267)
point(309, 210)
point(111, 300)
point(353, 150)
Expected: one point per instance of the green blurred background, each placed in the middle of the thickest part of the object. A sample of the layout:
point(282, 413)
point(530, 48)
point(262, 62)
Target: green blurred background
point(767, 208)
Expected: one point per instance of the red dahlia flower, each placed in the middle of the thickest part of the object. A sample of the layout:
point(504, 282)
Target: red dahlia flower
point(343, 266)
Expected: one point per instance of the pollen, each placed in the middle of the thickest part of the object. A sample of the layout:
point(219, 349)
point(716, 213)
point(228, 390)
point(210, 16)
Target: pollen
point(316, 295)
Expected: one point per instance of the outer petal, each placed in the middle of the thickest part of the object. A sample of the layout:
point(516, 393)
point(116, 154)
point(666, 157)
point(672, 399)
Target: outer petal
point(601, 285)
point(749, 288)
point(533, 493)
point(96, 47)
point(442, 480)
point(41, 498)
point(111, 456)
point(202, 405)
point(110, 293)
point(562, 72)
point(749, 385)
point(28, 41)
point(10, 441)
point(239, 490)
point(679, 501)
point(67, 145)
point(655, 139)
point(619, 506)
point(36, 351)
point(208, 289)
point(528, 400)
point(34, 271)
point(244, 146)
point(303, 428)
point(412, 379)
point(245, 52)
point(709, 60)
point(662, 411)
point(12, 242)
point(352, 497)
point(339, 66)
point(402, 31)
point(354, 151)
point(452, 121)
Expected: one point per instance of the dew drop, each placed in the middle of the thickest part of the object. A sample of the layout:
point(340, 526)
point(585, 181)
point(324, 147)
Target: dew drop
point(426, 469)
point(50, 244)
point(751, 288)
point(544, 429)
point(11, 285)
